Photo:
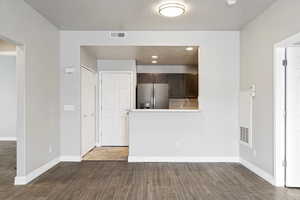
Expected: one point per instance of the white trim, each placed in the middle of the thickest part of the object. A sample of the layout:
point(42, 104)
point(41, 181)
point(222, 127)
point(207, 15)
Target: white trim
point(278, 99)
point(278, 106)
point(183, 159)
point(70, 159)
point(21, 110)
point(8, 53)
point(98, 144)
point(8, 139)
point(258, 171)
point(95, 109)
point(91, 148)
point(99, 110)
point(22, 180)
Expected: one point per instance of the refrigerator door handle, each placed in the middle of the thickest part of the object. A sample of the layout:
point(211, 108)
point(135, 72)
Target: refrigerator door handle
point(154, 101)
point(154, 96)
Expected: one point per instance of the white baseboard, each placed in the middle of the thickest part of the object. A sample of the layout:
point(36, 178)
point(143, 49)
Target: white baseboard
point(98, 144)
point(22, 180)
point(70, 159)
point(258, 171)
point(8, 139)
point(183, 159)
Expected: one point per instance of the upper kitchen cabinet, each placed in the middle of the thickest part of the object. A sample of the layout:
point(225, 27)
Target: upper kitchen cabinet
point(160, 78)
point(145, 78)
point(152, 78)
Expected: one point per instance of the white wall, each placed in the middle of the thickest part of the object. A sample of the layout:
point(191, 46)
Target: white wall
point(20, 23)
point(180, 69)
point(8, 97)
point(117, 65)
point(180, 136)
point(87, 59)
point(219, 83)
point(257, 40)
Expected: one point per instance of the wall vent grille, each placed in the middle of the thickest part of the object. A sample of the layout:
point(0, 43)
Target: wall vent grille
point(244, 135)
point(117, 34)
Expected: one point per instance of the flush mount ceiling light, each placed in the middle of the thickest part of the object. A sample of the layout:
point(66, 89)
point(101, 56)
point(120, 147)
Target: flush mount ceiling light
point(189, 49)
point(154, 57)
point(154, 62)
point(171, 9)
point(231, 2)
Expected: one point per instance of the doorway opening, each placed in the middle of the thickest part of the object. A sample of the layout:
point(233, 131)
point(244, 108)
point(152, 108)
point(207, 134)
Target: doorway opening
point(8, 114)
point(116, 88)
point(287, 112)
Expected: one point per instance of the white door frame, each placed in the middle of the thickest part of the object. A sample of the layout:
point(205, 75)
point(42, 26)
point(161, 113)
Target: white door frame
point(279, 110)
point(96, 78)
point(279, 117)
point(132, 91)
point(21, 108)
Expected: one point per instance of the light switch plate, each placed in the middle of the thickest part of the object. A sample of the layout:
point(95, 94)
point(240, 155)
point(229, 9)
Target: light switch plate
point(69, 70)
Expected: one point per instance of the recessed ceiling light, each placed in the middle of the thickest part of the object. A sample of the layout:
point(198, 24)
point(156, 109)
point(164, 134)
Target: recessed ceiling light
point(231, 2)
point(154, 62)
point(171, 9)
point(154, 57)
point(189, 48)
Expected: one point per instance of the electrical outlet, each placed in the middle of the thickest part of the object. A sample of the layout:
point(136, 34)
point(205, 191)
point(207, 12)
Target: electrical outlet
point(50, 148)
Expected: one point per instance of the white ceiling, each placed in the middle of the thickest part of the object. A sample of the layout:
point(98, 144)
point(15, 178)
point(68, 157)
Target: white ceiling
point(142, 14)
point(167, 55)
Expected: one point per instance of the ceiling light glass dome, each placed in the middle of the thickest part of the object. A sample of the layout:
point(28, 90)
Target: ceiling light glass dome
point(171, 9)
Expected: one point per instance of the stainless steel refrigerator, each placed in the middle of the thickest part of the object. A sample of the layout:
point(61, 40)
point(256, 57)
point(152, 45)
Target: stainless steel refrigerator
point(153, 96)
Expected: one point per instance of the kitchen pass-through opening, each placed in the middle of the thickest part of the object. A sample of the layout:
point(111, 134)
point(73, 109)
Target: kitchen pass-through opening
point(133, 78)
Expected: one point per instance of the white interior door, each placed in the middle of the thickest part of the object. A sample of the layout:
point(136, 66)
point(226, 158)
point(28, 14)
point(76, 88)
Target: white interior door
point(293, 117)
point(88, 108)
point(116, 99)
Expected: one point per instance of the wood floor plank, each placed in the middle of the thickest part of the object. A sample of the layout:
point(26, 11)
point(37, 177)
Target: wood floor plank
point(107, 154)
point(115, 180)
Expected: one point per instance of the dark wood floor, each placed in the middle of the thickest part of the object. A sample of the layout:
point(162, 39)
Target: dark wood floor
point(7, 163)
point(95, 180)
